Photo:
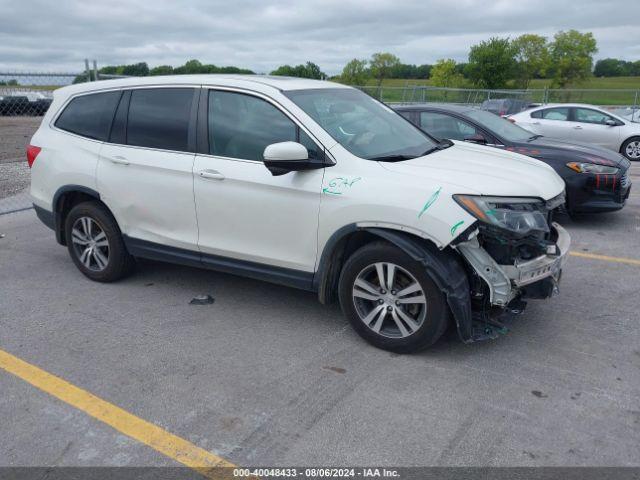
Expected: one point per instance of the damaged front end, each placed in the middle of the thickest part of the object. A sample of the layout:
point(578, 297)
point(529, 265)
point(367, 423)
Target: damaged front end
point(514, 252)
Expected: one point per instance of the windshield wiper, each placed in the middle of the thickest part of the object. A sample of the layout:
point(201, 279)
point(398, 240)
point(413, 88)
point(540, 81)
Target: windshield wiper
point(391, 158)
point(445, 143)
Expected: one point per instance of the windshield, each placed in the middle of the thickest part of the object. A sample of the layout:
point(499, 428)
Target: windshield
point(362, 125)
point(501, 127)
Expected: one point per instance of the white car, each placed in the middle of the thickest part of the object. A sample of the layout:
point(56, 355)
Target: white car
point(304, 183)
point(583, 123)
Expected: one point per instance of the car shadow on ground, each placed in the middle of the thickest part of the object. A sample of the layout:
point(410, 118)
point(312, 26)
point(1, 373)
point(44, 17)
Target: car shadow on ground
point(589, 221)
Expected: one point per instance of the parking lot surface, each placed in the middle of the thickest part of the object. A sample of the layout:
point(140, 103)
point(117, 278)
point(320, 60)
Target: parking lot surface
point(267, 376)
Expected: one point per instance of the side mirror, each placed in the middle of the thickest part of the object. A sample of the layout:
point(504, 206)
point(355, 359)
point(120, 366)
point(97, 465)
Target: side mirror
point(285, 157)
point(610, 122)
point(476, 138)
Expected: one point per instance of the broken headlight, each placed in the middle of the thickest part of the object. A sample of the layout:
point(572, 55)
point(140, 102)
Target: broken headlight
point(519, 215)
point(582, 167)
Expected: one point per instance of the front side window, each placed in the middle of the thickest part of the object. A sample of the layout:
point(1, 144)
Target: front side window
point(242, 126)
point(561, 113)
point(159, 118)
point(90, 115)
point(587, 115)
point(445, 126)
point(365, 127)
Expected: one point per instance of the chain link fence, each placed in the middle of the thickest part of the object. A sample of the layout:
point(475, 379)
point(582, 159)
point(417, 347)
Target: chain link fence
point(29, 94)
point(469, 96)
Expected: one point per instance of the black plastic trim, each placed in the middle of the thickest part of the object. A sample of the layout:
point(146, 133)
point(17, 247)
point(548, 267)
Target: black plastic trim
point(58, 225)
point(45, 216)
point(281, 276)
point(443, 266)
point(202, 127)
point(446, 270)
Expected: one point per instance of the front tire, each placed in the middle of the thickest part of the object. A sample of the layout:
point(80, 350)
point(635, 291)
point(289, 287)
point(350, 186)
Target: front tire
point(95, 243)
point(631, 149)
point(390, 300)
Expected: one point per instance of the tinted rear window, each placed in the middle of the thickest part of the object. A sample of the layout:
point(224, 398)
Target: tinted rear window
point(90, 115)
point(159, 118)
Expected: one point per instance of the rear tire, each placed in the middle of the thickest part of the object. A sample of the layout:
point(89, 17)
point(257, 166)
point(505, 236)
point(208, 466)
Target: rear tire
point(95, 243)
point(631, 149)
point(404, 311)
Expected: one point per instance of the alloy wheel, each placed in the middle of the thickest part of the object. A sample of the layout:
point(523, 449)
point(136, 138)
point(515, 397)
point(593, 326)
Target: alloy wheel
point(633, 150)
point(389, 300)
point(90, 244)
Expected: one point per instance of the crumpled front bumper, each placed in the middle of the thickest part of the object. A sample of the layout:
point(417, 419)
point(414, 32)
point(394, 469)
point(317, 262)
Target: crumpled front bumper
point(506, 282)
point(530, 271)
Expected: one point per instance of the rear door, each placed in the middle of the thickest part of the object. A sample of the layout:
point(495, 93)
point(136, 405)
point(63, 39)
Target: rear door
point(145, 170)
point(244, 212)
point(551, 122)
point(589, 126)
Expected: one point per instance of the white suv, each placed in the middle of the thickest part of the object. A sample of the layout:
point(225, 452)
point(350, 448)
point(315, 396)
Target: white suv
point(304, 183)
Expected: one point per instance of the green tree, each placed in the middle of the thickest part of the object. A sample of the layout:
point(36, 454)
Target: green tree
point(571, 55)
point(613, 67)
point(309, 70)
point(443, 74)
point(355, 72)
point(532, 58)
point(161, 70)
point(491, 63)
point(424, 71)
point(136, 70)
point(382, 64)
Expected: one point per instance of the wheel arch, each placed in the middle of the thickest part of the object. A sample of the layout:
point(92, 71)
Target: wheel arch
point(65, 198)
point(444, 266)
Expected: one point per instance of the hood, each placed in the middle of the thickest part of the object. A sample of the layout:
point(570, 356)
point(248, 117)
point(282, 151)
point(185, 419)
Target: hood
point(545, 147)
point(482, 170)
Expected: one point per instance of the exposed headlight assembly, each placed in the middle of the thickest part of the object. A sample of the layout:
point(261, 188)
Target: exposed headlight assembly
point(582, 167)
point(517, 214)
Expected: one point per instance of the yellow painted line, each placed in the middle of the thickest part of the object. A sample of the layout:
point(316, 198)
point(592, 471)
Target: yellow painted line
point(124, 422)
point(606, 258)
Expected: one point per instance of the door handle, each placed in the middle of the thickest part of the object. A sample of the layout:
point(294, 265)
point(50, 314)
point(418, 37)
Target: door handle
point(119, 160)
point(535, 123)
point(577, 127)
point(212, 174)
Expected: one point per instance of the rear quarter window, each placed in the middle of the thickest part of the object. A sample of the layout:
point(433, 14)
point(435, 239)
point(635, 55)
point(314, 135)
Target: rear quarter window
point(90, 115)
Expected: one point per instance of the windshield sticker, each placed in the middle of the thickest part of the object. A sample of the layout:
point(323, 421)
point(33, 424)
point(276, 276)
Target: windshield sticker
point(337, 185)
point(431, 201)
point(455, 227)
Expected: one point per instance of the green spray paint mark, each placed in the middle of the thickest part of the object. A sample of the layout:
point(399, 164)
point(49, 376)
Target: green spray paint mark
point(337, 185)
point(431, 201)
point(455, 227)
point(491, 212)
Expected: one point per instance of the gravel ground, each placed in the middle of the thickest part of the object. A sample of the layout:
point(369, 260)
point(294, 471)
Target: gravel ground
point(15, 133)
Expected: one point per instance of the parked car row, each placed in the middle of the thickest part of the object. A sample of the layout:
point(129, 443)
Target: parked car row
point(33, 104)
point(584, 123)
point(596, 178)
point(305, 183)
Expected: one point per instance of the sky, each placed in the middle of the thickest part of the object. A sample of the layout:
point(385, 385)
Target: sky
point(56, 36)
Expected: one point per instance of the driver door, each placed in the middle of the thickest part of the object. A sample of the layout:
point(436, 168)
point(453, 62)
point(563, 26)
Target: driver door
point(244, 212)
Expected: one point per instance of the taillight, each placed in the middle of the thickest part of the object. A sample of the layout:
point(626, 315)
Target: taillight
point(32, 153)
